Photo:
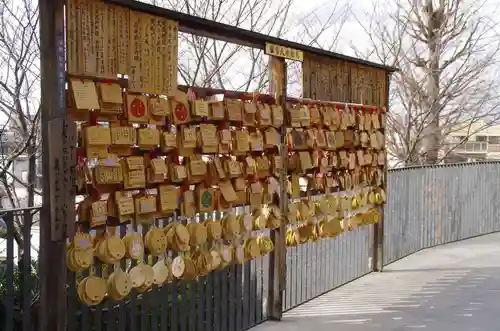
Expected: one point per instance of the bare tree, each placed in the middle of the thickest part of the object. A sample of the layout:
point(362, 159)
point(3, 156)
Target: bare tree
point(19, 101)
point(206, 62)
point(447, 52)
point(20, 118)
point(203, 62)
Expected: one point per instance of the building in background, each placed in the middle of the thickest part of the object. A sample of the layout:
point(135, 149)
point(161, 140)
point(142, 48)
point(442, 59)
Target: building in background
point(19, 168)
point(482, 145)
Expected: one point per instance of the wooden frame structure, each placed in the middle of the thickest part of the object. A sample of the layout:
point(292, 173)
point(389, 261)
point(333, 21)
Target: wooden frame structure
point(59, 135)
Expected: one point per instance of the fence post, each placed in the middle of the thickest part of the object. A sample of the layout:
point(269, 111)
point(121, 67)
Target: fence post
point(277, 279)
point(58, 152)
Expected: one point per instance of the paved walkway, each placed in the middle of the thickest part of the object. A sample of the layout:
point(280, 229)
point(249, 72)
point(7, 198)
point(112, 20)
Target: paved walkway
point(455, 287)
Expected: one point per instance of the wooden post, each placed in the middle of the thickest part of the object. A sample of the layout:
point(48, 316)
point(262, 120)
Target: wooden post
point(378, 244)
point(58, 157)
point(277, 271)
point(378, 229)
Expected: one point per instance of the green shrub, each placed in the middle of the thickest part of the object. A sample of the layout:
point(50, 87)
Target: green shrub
point(19, 283)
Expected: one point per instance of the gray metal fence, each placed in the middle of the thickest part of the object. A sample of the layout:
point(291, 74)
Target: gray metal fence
point(435, 205)
point(318, 267)
point(427, 206)
point(19, 290)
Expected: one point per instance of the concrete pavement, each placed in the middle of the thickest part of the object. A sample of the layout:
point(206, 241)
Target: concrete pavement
point(455, 287)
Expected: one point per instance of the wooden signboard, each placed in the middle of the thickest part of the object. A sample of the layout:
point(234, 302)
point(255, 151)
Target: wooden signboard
point(104, 41)
point(331, 79)
point(284, 52)
point(62, 175)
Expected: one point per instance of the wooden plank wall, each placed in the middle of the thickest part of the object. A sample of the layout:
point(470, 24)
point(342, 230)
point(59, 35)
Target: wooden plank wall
point(338, 80)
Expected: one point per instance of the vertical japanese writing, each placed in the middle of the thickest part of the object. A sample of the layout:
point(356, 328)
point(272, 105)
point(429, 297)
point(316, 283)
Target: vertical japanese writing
point(56, 194)
point(157, 65)
point(105, 40)
point(62, 140)
point(85, 36)
point(61, 72)
point(99, 37)
point(145, 54)
point(164, 56)
point(71, 36)
point(112, 42)
point(135, 55)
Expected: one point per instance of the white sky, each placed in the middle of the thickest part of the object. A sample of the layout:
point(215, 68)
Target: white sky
point(352, 32)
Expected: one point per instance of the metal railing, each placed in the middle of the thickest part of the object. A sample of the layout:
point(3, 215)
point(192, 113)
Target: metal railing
point(318, 267)
point(19, 290)
point(427, 206)
point(439, 204)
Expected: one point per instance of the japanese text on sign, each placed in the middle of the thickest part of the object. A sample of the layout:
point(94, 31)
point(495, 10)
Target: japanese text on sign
point(284, 52)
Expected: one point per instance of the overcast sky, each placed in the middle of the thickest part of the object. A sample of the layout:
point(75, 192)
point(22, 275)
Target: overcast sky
point(352, 32)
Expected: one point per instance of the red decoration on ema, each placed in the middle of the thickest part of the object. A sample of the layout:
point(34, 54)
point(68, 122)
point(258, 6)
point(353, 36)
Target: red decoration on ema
point(96, 195)
point(80, 156)
point(93, 118)
point(185, 187)
point(138, 108)
point(180, 112)
point(175, 157)
point(223, 125)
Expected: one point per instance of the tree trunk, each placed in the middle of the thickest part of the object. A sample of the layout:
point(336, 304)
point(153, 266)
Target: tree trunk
point(433, 133)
